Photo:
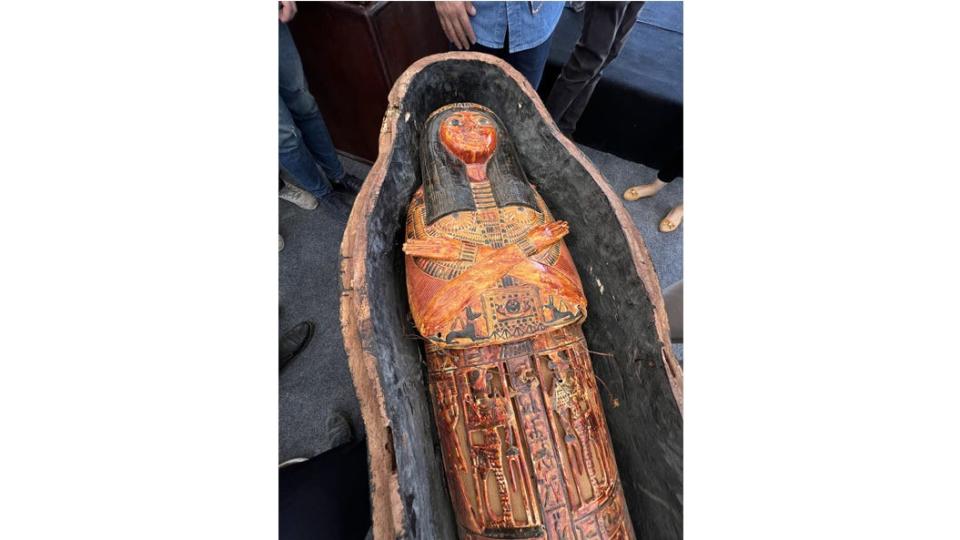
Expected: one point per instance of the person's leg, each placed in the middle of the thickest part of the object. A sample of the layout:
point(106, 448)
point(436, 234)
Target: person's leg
point(642, 191)
point(476, 47)
point(672, 169)
point(303, 108)
point(626, 21)
point(296, 160)
point(530, 62)
point(579, 75)
point(672, 220)
point(327, 496)
point(289, 191)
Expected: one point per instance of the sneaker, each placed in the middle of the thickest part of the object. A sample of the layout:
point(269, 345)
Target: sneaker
point(298, 196)
point(349, 184)
point(337, 205)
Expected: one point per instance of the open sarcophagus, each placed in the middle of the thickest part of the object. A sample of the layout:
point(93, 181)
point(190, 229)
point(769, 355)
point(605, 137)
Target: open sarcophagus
point(536, 405)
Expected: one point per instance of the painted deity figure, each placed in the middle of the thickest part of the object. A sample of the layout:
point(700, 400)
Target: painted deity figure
point(495, 294)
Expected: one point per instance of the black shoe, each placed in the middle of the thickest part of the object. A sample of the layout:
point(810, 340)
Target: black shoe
point(348, 184)
point(338, 429)
point(294, 341)
point(337, 205)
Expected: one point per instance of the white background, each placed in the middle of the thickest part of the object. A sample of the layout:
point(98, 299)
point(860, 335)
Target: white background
point(138, 390)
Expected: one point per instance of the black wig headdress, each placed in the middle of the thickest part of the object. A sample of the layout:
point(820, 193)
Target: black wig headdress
point(446, 188)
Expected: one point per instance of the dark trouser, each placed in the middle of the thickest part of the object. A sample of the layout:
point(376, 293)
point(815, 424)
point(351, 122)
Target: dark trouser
point(327, 496)
point(529, 62)
point(606, 26)
point(673, 166)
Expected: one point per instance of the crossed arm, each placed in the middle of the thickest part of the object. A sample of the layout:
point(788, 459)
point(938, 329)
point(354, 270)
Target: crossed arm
point(450, 249)
point(491, 265)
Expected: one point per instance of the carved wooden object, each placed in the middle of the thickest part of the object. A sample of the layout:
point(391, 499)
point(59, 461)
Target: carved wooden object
point(494, 292)
point(640, 381)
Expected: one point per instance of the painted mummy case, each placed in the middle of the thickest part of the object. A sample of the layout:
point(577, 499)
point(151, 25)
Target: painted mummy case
point(642, 381)
point(494, 291)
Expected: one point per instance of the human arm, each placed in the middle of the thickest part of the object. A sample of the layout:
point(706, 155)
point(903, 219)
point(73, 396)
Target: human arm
point(455, 21)
point(287, 11)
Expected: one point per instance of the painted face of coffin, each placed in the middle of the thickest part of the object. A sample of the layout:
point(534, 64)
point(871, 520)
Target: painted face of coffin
point(463, 144)
point(469, 135)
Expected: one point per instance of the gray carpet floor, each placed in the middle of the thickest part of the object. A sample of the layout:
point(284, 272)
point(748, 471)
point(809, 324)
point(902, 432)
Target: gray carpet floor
point(317, 383)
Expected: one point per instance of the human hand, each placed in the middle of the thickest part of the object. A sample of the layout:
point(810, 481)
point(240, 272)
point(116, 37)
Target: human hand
point(287, 11)
point(455, 20)
point(543, 236)
point(433, 248)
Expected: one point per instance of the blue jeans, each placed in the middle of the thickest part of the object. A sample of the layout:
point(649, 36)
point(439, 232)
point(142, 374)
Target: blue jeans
point(529, 62)
point(304, 140)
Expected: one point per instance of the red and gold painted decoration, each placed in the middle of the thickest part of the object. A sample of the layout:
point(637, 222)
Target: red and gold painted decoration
point(494, 292)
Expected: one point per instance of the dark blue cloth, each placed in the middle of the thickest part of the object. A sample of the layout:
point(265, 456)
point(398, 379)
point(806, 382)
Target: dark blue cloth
point(327, 496)
point(529, 62)
point(304, 140)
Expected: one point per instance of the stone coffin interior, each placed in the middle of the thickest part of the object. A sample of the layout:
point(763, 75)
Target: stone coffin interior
point(643, 415)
